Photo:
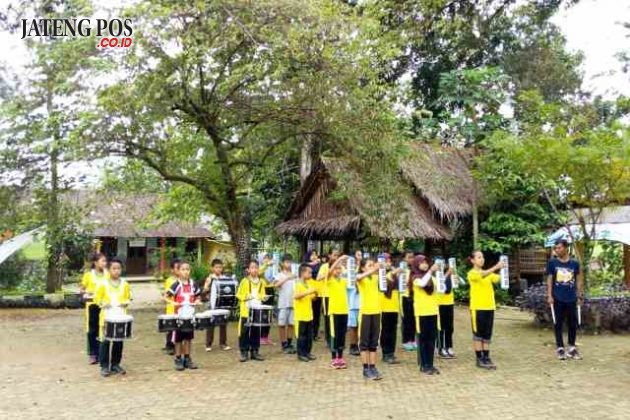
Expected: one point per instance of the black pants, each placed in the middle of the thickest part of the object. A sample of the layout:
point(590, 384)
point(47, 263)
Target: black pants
point(369, 331)
point(94, 313)
point(566, 310)
point(249, 338)
point(116, 348)
point(169, 340)
point(426, 340)
point(316, 304)
point(222, 335)
point(389, 324)
point(305, 337)
point(326, 319)
point(338, 333)
point(445, 338)
point(408, 321)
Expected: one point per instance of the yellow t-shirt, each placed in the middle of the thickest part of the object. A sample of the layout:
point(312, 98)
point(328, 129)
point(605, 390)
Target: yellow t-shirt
point(337, 296)
point(322, 274)
point(391, 304)
point(245, 288)
point(91, 279)
point(369, 295)
point(302, 308)
point(106, 293)
point(170, 307)
point(481, 290)
point(446, 298)
point(425, 304)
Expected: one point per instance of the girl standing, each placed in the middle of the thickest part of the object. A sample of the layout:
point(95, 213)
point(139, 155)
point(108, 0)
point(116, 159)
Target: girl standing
point(89, 283)
point(425, 306)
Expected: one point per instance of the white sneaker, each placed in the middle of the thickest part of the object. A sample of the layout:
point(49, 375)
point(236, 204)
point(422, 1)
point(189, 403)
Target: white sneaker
point(208, 348)
point(451, 352)
point(226, 347)
point(574, 354)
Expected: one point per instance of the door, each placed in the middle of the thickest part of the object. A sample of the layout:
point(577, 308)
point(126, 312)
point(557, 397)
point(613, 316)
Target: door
point(137, 257)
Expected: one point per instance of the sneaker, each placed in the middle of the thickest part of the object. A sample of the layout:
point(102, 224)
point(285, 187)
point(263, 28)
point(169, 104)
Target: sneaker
point(367, 373)
point(443, 354)
point(343, 364)
point(451, 353)
point(93, 360)
point(574, 354)
point(408, 347)
point(427, 371)
point(311, 356)
point(243, 357)
point(291, 350)
point(414, 345)
point(481, 363)
point(393, 361)
point(208, 349)
point(105, 372)
point(435, 371)
point(334, 363)
point(257, 357)
point(376, 375)
point(189, 364)
point(171, 351)
point(489, 364)
point(303, 358)
point(561, 354)
point(118, 369)
point(179, 364)
point(225, 347)
point(354, 351)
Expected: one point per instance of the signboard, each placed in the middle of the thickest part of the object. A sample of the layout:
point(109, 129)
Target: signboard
point(137, 243)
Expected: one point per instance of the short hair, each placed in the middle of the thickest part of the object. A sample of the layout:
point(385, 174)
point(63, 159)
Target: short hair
point(175, 262)
point(407, 252)
point(182, 262)
point(287, 257)
point(304, 267)
point(252, 261)
point(116, 260)
point(562, 242)
point(216, 261)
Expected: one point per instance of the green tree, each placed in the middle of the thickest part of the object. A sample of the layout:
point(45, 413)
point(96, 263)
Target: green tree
point(219, 93)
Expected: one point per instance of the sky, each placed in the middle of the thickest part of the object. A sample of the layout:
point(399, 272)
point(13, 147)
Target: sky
point(592, 26)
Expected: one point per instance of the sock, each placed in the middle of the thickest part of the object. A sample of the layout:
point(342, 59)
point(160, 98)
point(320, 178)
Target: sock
point(187, 356)
point(340, 353)
point(365, 365)
point(486, 354)
point(178, 357)
point(479, 355)
point(371, 366)
point(284, 344)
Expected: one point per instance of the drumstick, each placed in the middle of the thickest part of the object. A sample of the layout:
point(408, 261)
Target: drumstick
point(553, 314)
point(579, 314)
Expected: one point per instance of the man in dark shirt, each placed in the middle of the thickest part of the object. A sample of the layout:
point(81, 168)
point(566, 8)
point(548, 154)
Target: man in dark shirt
point(564, 292)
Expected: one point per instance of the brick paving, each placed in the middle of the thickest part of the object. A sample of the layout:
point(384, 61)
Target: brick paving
point(44, 374)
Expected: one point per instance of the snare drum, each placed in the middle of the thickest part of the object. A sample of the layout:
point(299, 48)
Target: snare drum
point(118, 327)
point(186, 323)
point(224, 293)
point(167, 323)
point(259, 316)
point(211, 318)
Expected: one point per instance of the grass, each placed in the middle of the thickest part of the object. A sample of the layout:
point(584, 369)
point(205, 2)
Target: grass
point(35, 251)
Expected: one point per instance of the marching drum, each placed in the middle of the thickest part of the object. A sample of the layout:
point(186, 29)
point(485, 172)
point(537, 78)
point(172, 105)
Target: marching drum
point(118, 327)
point(259, 316)
point(223, 294)
point(211, 318)
point(167, 323)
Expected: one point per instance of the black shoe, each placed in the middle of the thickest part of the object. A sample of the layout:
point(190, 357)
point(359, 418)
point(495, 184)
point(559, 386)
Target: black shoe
point(303, 358)
point(256, 356)
point(429, 371)
point(105, 372)
point(367, 373)
point(393, 361)
point(376, 375)
point(435, 370)
point(489, 364)
point(189, 364)
point(354, 351)
point(179, 364)
point(243, 357)
point(118, 369)
point(311, 356)
point(481, 363)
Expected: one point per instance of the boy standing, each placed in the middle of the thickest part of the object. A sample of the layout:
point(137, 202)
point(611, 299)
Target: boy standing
point(250, 290)
point(370, 317)
point(303, 293)
point(169, 347)
point(212, 285)
point(185, 294)
point(338, 312)
point(284, 282)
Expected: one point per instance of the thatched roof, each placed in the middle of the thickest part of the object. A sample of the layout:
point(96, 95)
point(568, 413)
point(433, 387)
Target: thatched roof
point(435, 189)
point(130, 216)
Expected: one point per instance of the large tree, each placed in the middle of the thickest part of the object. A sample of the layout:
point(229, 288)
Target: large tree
point(218, 93)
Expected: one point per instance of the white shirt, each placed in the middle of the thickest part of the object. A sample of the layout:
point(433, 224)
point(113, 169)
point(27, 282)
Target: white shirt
point(285, 294)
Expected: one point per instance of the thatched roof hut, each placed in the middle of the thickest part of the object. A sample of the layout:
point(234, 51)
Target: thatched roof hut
point(438, 182)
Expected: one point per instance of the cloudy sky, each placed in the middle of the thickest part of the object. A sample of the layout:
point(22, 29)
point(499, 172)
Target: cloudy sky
point(592, 26)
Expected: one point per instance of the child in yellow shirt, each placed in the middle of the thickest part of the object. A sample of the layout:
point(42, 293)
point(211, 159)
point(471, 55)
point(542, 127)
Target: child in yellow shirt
point(303, 294)
point(89, 283)
point(169, 347)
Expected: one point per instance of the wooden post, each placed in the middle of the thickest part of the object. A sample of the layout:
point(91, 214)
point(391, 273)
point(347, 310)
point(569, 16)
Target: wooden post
point(199, 254)
point(626, 265)
point(162, 255)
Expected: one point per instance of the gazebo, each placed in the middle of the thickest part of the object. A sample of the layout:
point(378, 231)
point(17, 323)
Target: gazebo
point(613, 224)
point(437, 187)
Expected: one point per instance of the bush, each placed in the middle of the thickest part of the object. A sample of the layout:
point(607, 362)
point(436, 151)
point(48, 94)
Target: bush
point(20, 274)
point(606, 308)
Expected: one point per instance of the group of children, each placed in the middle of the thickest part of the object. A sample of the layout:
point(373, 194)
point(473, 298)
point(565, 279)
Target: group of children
point(103, 290)
point(363, 311)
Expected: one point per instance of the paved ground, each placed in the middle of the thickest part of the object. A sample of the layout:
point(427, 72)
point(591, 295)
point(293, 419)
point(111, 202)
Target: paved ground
point(44, 374)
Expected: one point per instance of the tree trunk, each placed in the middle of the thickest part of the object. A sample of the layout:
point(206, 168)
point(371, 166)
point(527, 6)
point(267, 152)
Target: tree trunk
point(626, 265)
point(54, 234)
point(475, 216)
point(306, 158)
point(241, 238)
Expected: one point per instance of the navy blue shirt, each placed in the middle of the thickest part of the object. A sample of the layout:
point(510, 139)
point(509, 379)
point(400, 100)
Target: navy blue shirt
point(564, 277)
